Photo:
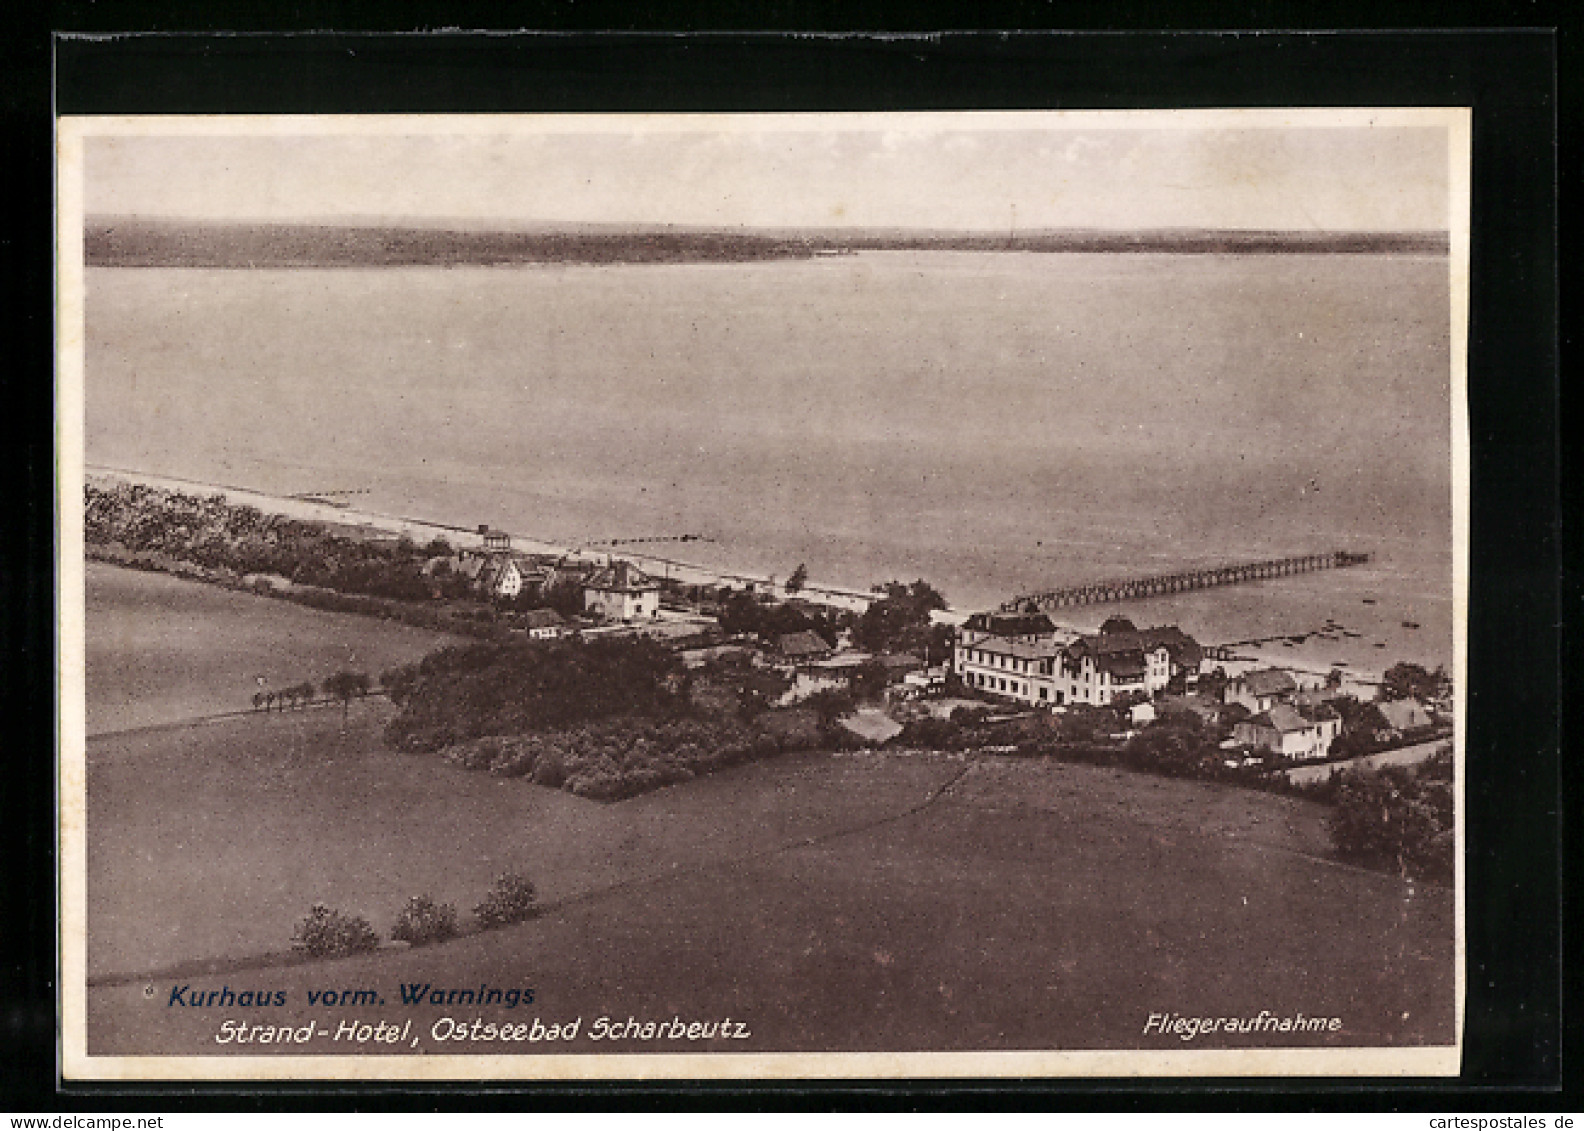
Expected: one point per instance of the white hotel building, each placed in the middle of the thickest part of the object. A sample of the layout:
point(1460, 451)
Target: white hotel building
point(1027, 658)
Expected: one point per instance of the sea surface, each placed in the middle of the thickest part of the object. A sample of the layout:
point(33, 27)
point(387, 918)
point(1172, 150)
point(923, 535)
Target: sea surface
point(997, 423)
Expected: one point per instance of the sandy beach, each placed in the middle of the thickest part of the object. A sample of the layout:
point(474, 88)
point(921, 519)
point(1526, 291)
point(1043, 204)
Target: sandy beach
point(463, 538)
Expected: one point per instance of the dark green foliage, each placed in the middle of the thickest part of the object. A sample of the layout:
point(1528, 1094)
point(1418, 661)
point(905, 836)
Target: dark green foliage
point(1396, 818)
point(211, 533)
point(398, 682)
point(511, 899)
point(346, 686)
point(619, 758)
point(1412, 681)
point(423, 921)
point(467, 692)
point(831, 704)
point(744, 614)
point(900, 621)
point(204, 538)
point(1176, 746)
point(326, 933)
point(798, 579)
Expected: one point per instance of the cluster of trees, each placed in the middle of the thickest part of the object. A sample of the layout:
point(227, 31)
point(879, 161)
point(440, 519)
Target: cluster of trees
point(621, 758)
point(744, 614)
point(469, 691)
point(1398, 817)
point(1413, 681)
point(899, 621)
point(209, 532)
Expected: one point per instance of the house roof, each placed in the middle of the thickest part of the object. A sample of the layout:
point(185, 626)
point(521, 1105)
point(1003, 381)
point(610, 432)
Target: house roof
point(1123, 665)
point(1268, 681)
point(1018, 649)
point(1283, 718)
point(900, 661)
point(542, 618)
point(805, 643)
point(1011, 624)
point(1403, 714)
point(1318, 696)
point(1190, 704)
point(621, 577)
point(1182, 648)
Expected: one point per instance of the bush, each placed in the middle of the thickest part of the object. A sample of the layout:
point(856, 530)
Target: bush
point(424, 921)
point(1391, 818)
point(325, 932)
point(511, 900)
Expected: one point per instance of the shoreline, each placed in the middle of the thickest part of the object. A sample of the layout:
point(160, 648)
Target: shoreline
point(673, 569)
point(424, 530)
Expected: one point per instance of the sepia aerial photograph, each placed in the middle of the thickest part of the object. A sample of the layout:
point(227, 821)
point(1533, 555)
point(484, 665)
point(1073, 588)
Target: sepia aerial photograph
point(755, 596)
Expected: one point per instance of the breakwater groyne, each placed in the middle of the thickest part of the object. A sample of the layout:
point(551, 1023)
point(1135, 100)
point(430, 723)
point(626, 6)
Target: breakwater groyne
point(1130, 589)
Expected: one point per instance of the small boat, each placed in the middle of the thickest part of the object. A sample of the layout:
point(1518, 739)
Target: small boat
point(1369, 600)
point(1410, 624)
point(1380, 644)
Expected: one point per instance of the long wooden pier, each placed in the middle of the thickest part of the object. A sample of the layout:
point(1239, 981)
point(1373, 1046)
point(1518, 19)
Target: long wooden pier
point(1130, 589)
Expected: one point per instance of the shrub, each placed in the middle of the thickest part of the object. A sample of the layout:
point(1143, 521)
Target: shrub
point(424, 921)
point(325, 932)
point(1389, 818)
point(511, 900)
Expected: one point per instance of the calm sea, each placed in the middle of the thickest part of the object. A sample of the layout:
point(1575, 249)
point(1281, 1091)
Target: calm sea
point(995, 423)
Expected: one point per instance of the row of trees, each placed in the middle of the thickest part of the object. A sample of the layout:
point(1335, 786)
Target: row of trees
point(343, 686)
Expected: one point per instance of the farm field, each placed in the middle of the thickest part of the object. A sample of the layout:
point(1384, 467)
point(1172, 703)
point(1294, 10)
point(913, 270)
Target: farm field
point(862, 901)
point(161, 649)
point(825, 898)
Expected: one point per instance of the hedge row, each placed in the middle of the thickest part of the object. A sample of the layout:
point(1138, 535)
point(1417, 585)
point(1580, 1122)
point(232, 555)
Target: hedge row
point(622, 758)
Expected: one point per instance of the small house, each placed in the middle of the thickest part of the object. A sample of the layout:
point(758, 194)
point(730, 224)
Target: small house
point(543, 624)
point(621, 591)
point(1286, 731)
point(804, 645)
point(1403, 716)
point(1261, 690)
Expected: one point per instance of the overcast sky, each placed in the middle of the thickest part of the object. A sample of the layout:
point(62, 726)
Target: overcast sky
point(926, 171)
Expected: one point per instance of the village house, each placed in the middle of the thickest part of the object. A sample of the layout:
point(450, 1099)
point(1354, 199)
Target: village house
point(1261, 690)
point(1285, 730)
point(805, 645)
point(1403, 716)
point(621, 591)
point(543, 624)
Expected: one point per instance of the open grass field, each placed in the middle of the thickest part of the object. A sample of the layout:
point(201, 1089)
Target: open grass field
point(864, 901)
point(161, 649)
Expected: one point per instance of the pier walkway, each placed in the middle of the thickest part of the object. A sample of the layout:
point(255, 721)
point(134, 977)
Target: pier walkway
point(1135, 588)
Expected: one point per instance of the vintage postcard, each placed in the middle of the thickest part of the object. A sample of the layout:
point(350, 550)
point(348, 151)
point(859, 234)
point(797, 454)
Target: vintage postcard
point(762, 596)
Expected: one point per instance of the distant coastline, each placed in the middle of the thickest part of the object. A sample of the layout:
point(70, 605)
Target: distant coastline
point(130, 242)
